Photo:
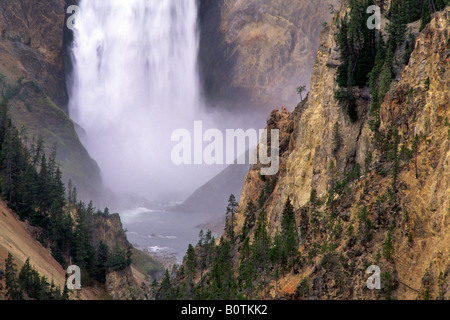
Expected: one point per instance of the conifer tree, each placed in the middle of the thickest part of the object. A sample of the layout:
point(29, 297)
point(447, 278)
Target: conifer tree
point(117, 260)
point(129, 255)
point(37, 148)
point(8, 163)
point(13, 290)
point(44, 186)
point(250, 219)
point(223, 282)
point(277, 253)
point(102, 258)
point(426, 15)
point(81, 237)
point(65, 294)
point(261, 244)
point(25, 276)
point(231, 211)
point(58, 189)
point(289, 231)
point(191, 261)
point(246, 268)
point(56, 253)
point(166, 290)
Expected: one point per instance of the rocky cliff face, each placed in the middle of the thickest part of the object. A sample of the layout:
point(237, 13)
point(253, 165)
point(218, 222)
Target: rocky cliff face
point(258, 51)
point(411, 219)
point(419, 107)
point(307, 133)
point(32, 75)
point(127, 284)
point(34, 31)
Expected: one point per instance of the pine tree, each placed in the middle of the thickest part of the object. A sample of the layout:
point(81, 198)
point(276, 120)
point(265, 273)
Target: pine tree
point(231, 211)
point(209, 245)
point(441, 4)
point(250, 219)
point(37, 148)
point(52, 160)
point(289, 231)
point(385, 81)
point(44, 186)
point(300, 91)
point(277, 253)
point(4, 117)
point(409, 47)
point(26, 278)
point(246, 269)
point(261, 244)
point(166, 290)
point(102, 258)
point(201, 239)
point(8, 163)
point(65, 294)
point(44, 292)
point(223, 282)
point(191, 261)
point(399, 20)
point(56, 253)
point(13, 290)
point(81, 237)
point(342, 38)
point(56, 223)
point(129, 255)
point(58, 189)
point(27, 195)
point(425, 18)
point(117, 260)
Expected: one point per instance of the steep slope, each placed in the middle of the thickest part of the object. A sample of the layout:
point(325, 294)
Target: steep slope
point(19, 239)
point(32, 75)
point(212, 196)
point(412, 217)
point(353, 190)
point(419, 108)
point(16, 238)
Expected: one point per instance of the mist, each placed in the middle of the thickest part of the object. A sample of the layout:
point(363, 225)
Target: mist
point(135, 80)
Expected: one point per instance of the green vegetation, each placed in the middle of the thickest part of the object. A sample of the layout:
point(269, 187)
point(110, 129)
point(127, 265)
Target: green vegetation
point(31, 182)
point(367, 60)
point(262, 259)
point(388, 248)
point(336, 140)
point(300, 91)
point(266, 191)
point(231, 211)
point(358, 46)
point(409, 47)
point(29, 284)
point(250, 220)
point(33, 109)
point(146, 264)
point(13, 291)
point(244, 265)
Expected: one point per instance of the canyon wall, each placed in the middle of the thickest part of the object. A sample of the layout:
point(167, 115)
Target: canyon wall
point(33, 77)
point(412, 212)
point(254, 54)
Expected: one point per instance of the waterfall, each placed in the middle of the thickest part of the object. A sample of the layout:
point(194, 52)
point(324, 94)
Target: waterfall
point(135, 80)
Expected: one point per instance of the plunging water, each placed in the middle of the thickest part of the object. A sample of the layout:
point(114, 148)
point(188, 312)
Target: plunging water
point(135, 80)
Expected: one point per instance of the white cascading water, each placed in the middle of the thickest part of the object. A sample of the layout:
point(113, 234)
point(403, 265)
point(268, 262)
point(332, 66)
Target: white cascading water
point(135, 80)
